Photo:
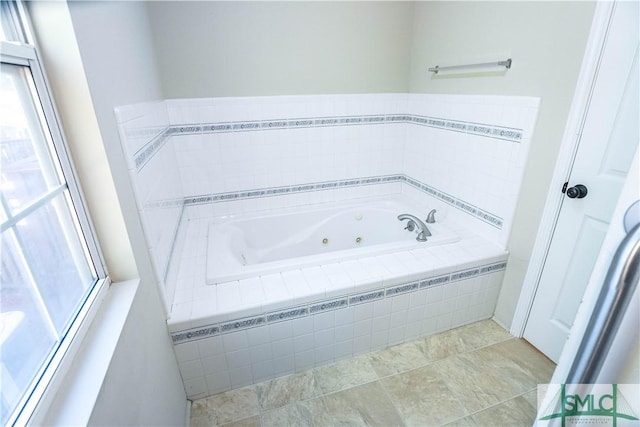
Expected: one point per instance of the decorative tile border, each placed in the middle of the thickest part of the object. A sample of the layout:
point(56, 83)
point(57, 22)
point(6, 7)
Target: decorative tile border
point(146, 153)
point(291, 189)
point(363, 298)
point(328, 305)
point(142, 156)
point(465, 274)
point(332, 304)
point(468, 208)
point(290, 313)
point(479, 129)
point(236, 325)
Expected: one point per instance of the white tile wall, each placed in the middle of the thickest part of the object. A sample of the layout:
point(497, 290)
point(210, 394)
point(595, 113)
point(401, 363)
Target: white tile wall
point(220, 363)
point(485, 172)
point(154, 182)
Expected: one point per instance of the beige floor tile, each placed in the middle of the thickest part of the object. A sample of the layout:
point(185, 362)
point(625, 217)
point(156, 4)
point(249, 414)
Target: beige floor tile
point(247, 422)
point(225, 407)
point(463, 339)
point(440, 346)
point(283, 391)
point(519, 354)
point(483, 333)
point(496, 373)
point(307, 413)
point(462, 422)
point(397, 359)
point(344, 374)
point(513, 413)
point(365, 405)
point(206, 420)
point(475, 382)
point(423, 398)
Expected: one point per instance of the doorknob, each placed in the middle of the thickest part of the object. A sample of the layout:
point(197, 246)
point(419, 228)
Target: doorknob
point(577, 191)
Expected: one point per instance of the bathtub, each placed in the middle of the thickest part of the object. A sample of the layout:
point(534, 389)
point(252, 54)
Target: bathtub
point(247, 247)
point(286, 300)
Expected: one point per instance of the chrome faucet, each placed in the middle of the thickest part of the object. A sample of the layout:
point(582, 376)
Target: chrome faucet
point(413, 223)
point(431, 217)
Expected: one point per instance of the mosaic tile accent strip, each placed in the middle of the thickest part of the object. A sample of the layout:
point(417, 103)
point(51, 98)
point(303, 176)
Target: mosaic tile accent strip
point(290, 189)
point(330, 305)
point(468, 208)
point(438, 280)
point(362, 298)
point(479, 129)
point(194, 334)
point(146, 153)
point(404, 288)
point(237, 325)
point(465, 275)
point(290, 313)
point(491, 268)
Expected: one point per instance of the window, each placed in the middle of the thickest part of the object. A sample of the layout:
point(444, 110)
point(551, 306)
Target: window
point(51, 269)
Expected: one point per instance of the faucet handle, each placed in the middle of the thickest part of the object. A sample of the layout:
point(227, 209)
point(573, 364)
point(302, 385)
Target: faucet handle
point(431, 217)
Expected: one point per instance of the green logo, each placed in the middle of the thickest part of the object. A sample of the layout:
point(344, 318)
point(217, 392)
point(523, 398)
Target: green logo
point(592, 404)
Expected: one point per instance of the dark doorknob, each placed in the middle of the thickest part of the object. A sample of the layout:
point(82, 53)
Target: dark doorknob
point(577, 191)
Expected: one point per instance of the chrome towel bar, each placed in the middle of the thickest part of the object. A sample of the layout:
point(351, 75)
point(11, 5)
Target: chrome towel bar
point(506, 63)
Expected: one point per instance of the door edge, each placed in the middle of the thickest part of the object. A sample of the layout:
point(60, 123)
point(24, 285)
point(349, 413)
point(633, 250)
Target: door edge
point(568, 148)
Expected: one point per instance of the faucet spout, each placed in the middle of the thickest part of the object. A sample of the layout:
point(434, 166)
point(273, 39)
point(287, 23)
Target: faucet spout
point(424, 230)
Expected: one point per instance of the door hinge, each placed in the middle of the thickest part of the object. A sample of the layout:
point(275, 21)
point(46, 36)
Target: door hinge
point(564, 187)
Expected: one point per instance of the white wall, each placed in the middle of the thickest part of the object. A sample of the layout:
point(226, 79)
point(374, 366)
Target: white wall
point(111, 42)
point(546, 41)
point(230, 48)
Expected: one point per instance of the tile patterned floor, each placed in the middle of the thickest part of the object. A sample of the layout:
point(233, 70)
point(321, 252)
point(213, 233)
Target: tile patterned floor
point(476, 375)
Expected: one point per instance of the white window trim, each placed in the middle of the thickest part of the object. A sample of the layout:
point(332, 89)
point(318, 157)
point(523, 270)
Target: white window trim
point(53, 378)
point(26, 55)
point(75, 386)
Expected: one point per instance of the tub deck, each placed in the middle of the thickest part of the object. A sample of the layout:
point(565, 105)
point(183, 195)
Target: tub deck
point(196, 304)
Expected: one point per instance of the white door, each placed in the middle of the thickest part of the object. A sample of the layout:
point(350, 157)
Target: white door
point(609, 139)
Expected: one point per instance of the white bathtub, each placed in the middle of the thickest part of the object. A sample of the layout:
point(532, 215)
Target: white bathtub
point(246, 247)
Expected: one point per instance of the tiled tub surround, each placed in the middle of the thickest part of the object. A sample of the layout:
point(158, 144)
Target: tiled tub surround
point(246, 331)
point(467, 151)
point(195, 160)
point(464, 153)
point(156, 184)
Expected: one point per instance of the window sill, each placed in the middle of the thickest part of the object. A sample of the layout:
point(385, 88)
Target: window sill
point(73, 392)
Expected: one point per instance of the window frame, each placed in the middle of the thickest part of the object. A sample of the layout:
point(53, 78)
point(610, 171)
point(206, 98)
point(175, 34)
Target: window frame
point(49, 377)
